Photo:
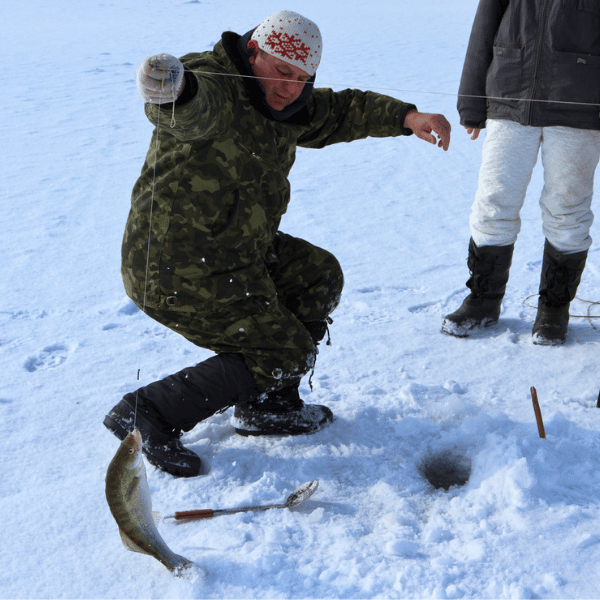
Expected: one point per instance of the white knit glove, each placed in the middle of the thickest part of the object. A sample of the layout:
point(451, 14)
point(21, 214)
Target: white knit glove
point(159, 79)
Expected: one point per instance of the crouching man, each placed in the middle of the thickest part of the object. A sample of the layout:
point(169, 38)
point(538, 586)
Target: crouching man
point(202, 252)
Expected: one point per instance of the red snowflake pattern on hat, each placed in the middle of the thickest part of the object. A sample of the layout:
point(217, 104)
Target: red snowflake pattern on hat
point(288, 46)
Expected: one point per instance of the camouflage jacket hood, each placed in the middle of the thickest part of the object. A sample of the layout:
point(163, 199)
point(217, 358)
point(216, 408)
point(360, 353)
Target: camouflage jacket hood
point(214, 185)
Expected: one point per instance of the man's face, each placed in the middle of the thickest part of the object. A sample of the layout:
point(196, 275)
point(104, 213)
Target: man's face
point(282, 82)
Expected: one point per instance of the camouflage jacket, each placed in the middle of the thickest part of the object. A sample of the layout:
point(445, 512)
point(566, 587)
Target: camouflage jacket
point(214, 186)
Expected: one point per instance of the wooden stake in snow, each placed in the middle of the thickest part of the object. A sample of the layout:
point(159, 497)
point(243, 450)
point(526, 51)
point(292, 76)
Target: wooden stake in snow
point(538, 413)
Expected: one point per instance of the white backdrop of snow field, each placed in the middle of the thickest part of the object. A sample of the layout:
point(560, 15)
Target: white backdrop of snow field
point(395, 213)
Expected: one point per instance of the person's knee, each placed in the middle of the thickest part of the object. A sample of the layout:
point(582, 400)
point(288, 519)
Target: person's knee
point(328, 291)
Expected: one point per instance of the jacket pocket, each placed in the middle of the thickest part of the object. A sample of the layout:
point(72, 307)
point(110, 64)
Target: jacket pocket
point(575, 79)
point(589, 6)
point(592, 6)
point(227, 214)
point(503, 79)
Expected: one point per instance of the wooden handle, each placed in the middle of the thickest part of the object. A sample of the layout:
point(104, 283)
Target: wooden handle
point(188, 515)
point(538, 413)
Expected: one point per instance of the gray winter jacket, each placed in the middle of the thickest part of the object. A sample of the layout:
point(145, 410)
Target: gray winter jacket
point(521, 50)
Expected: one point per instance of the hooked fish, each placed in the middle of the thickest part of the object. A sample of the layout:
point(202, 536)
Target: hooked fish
point(128, 497)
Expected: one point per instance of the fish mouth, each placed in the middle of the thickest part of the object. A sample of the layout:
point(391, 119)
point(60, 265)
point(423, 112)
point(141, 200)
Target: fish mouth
point(137, 436)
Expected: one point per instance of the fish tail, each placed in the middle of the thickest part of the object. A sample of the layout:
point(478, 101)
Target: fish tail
point(186, 569)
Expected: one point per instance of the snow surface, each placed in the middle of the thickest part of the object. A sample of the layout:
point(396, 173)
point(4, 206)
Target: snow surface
point(395, 212)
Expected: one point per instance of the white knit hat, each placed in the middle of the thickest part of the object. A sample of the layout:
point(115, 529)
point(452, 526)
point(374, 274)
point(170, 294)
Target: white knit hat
point(291, 38)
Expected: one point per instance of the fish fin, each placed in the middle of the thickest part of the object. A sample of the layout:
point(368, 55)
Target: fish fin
point(130, 544)
point(156, 517)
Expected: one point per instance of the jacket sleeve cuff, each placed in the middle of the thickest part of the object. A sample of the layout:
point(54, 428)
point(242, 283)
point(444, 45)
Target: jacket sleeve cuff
point(474, 124)
point(190, 90)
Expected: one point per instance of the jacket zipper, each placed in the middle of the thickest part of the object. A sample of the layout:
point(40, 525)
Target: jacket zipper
point(268, 164)
point(250, 151)
point(541, 33)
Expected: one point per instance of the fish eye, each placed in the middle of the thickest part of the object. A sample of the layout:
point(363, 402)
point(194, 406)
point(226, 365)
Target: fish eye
point(130, 450)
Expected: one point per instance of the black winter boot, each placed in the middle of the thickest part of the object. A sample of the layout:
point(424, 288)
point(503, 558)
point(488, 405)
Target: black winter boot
point(161, 443)
point(177, 403)
point(283, 412)
point(280, 412)
point(560, 278)
point(489, 267)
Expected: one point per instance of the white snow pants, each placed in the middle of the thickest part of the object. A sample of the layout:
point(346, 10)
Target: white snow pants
point(510, 151)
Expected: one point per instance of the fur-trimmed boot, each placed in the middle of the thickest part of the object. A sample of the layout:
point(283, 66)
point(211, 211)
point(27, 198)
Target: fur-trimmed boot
point(489, 267)
point(560, 278)
point(164, 409)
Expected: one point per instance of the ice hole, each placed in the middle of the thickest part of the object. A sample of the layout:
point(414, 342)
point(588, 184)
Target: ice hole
point(446, 469)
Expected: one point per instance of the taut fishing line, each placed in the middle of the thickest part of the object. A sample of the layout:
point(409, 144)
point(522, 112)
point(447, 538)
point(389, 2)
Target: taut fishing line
point(407, 91)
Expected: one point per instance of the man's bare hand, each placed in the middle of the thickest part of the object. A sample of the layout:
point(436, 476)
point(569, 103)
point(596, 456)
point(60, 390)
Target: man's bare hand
point(423, 124)
point(473, 132)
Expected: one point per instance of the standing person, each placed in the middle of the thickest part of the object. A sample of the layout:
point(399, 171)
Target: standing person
point(531, 77)
point(202, 252)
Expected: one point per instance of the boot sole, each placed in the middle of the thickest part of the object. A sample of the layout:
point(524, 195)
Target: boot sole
point(538, 340)
point(462, 331)
point(290, 432)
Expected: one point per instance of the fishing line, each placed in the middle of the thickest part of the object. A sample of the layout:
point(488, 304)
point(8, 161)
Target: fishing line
point(591, 303)
point(409, 91)
point(156, 146)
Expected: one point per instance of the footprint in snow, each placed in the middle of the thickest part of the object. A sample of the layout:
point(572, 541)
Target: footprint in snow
point(129, 309)
point(424, 307)
point(49, 358)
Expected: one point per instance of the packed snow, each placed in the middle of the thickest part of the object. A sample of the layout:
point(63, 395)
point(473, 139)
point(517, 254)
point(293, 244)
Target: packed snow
point(407, 398)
